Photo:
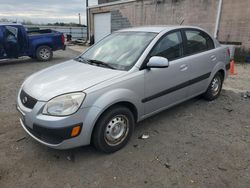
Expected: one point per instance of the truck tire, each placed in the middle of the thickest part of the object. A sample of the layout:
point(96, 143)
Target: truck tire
point(44, 53)
point(214, 88)
point(113, 129)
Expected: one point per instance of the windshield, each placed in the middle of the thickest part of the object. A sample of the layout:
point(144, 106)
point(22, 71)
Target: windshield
point(119, 50)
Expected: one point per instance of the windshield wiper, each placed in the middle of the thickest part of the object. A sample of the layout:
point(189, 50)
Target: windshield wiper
point(97, 62)
point(82, 60)
point(93, 61)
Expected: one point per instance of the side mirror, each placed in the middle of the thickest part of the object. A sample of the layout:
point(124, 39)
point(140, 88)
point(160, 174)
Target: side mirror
point(158, 62)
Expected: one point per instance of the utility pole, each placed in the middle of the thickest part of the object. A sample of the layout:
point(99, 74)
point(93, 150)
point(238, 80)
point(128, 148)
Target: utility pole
point(79, 18)
point(87, 17)
point(218, 17)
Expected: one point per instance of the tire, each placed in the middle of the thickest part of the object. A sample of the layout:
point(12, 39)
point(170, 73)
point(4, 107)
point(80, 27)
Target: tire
point(44, 53)
point(113, 129)
point(214, 88)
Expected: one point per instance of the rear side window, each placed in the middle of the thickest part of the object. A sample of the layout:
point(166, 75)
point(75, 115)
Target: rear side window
point(197, 41)
point(169, 46)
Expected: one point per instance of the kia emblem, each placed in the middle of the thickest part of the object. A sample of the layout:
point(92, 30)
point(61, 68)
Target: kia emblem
point(25, 99)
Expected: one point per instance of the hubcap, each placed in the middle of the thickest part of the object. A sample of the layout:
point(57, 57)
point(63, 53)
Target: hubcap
point(116, 130)
point(44, 53)
point(216, 84)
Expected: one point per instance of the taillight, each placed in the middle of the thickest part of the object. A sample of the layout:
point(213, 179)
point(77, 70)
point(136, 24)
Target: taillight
point(62, 39)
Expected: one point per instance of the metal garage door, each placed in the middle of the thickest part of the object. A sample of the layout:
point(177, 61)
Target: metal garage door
point(102, 25)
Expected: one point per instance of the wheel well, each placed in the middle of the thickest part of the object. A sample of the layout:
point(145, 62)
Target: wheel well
point(43, 45)
point(130, 106)
point(222, 73)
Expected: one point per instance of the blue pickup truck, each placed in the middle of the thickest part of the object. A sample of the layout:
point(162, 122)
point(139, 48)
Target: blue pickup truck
point(16, 41)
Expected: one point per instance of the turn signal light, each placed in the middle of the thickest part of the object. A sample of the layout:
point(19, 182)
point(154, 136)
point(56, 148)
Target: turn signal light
point(75, 131)
point(62, 39)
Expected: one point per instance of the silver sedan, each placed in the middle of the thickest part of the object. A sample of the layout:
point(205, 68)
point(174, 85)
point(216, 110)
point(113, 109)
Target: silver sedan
point(128, 76)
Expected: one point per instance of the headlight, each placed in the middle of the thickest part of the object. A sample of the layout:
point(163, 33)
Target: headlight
point(64, 105)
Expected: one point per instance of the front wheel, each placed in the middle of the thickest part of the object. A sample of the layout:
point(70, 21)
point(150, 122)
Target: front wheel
point(214, 88)
point(44, 53)
point(113, 129)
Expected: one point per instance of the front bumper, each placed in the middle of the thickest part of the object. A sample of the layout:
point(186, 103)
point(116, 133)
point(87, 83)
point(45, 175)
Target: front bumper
point(55, 131)
point(36, 138)
point(50, 135)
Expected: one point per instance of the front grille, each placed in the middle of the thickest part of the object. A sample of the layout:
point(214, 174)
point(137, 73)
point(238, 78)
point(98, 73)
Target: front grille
point(27, 101)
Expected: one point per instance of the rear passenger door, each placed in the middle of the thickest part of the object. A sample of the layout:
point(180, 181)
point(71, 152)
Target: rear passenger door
point(199, 52)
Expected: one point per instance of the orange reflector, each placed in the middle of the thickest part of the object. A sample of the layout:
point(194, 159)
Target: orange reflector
point(75, 131)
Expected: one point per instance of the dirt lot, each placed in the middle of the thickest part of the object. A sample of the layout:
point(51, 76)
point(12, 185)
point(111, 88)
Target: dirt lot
point(195, 144)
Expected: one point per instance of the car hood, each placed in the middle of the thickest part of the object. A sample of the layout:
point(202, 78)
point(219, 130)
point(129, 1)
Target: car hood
point(67, 77)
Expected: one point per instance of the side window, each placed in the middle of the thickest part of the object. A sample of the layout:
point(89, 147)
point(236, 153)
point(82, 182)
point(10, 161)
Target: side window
point(11, 33)
point(169, 47)
point(197, 41)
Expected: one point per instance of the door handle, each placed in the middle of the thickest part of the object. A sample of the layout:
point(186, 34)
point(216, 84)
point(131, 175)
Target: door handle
point(183, 67)
point(213, 58)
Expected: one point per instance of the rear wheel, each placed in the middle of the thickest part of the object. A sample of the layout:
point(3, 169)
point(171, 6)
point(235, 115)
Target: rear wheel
point(113, 129)
point(44, 53)
point(214, 88)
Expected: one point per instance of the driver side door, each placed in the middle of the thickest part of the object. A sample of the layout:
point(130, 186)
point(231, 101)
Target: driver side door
point(165, 87)
point(11, 45)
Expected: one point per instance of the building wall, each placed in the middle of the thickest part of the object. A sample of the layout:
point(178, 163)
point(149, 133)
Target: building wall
point(234, 26)
point(118, 21)
point(191, 12)
point(148, 12)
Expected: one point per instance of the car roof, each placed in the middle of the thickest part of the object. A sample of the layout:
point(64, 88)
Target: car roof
point(157, 28)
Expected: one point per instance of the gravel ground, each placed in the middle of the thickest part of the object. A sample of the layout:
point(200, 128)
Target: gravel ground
point(195, 144)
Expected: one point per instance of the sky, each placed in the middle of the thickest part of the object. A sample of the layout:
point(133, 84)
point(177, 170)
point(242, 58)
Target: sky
point(44, 11)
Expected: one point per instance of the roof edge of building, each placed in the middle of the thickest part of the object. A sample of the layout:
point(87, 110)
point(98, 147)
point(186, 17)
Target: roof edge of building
point(111, 3)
